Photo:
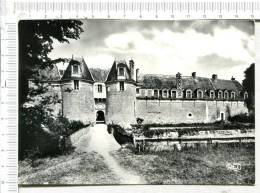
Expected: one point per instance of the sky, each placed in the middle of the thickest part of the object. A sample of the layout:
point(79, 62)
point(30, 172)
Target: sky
point(222, 47)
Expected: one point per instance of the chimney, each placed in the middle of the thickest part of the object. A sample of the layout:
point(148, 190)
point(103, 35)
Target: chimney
point(232, 78)
point(214, 76)
point(137, 74)
point(193, 75)
point(132, 67)
point(178, 80)
point(178, 75)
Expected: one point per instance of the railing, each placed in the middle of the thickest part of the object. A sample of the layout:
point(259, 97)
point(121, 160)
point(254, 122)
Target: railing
point(239, 139)
point(178, 137)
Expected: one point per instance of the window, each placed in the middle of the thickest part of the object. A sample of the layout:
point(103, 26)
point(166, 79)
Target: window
point(232, 95)
point(121, 71)
point(245, 95)
point(174, 94)
point(160, 93)
point(155, 93)
point(121, 86)
point(225, 95)
point(169, 94)
point(149, 93)
point(164, 93)
point(61, 72)
point(75, 69)
point(190, 115)
point(222, 116)
point(220, 94)
point(99, 88)
point(137, 91)
point(76, 84)
point(143, 92)
point(188, 94)
point(199, 94)
point(211, 94)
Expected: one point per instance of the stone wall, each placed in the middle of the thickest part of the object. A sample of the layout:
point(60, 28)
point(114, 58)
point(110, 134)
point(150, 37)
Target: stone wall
point(186, 111)
point(78, 104)
point(229, 108)
point(120, 107)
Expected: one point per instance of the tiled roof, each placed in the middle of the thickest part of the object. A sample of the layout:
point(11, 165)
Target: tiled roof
point(155, 81)
point(233, 85)
point(84, 71)
point(99, 75)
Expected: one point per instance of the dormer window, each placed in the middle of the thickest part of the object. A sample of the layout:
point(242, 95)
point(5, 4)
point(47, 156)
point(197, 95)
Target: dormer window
point(165, 94)
point(220, 94)
point(100, 88)
point(211, 94)
point(155, 93)
point(169, 94)
point(149, 93)
point(232, 95)
point(121, 71)
point(75, 69)
point(199, 94)
point(174, 94)
point(143, 92)
point(188, 94)
point(226, 95)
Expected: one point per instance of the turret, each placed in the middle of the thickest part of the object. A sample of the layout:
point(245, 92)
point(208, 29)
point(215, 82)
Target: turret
point(121, 93)
point(77, 92)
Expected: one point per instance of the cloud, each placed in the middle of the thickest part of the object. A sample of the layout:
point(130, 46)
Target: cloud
point(167, 47)
point(97, 30)
point(215, 62)
point(208, 26)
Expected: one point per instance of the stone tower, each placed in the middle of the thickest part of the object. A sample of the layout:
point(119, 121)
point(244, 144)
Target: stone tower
point(77, 92)
point(121, 93)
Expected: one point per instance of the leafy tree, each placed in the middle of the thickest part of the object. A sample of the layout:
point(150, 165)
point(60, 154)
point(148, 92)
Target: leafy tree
point(36, 39)
point(249, 85)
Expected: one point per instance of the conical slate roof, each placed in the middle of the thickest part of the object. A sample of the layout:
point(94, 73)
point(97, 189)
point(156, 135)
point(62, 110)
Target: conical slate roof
point(84, 73)
point(112, 76)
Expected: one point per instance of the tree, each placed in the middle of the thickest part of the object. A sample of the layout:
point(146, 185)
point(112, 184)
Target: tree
point(249, 85)
point(36, 39)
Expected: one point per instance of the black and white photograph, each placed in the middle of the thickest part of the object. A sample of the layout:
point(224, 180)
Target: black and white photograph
point(112, 102)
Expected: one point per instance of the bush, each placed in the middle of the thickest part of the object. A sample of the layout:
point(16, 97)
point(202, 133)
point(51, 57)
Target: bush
point(242, 118)
point(75, 126)
point(42, 135)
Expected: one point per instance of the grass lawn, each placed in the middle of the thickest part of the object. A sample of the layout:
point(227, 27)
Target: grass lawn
point(192, 166)
point(83, 168)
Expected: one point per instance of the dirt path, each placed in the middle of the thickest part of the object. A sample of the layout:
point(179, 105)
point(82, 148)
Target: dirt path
point(100, 141)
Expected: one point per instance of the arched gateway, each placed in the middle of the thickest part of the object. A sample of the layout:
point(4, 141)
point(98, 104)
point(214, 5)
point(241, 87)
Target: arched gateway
point(100, 117)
